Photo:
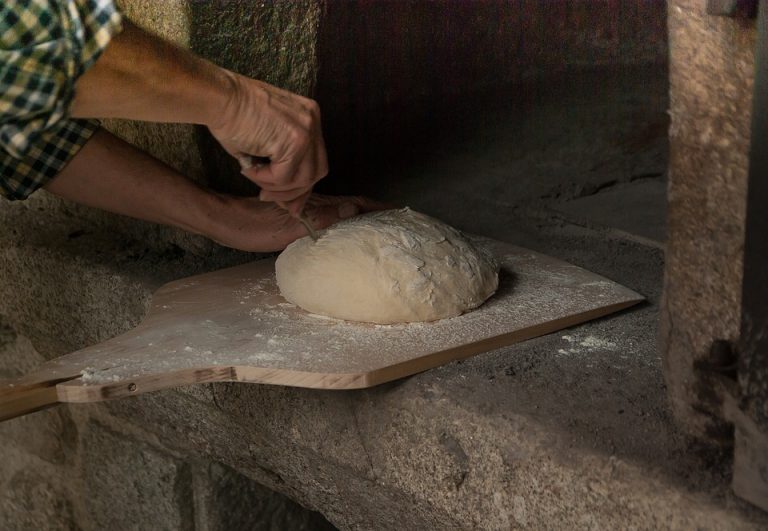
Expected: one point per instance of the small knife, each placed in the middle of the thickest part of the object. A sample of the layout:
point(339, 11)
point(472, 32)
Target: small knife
point(302, 217)
point(249, 161)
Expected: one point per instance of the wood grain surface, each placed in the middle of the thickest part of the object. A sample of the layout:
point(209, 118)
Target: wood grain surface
point(233, 325)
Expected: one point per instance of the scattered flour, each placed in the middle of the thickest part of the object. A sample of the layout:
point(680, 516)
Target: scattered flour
point(267, 332)
point(87, 374)
point(93, 375)
point(583, 345)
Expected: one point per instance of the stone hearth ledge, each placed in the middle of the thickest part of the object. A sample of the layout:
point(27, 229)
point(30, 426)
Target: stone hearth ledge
point(568, 430)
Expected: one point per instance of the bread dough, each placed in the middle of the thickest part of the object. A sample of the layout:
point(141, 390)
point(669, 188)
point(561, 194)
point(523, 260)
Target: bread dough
point(386, 267)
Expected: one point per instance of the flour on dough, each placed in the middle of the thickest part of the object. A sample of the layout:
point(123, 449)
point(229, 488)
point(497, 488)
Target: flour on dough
point(387, 267)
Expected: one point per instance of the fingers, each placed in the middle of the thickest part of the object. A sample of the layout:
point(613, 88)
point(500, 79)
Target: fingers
point(298, 170)
point(294, 207)
point(323, 216)
point(260, 226)
point(293, 141)
point(287, 196)
point(327, 210)
point(364, 204)
point(347, 210)
point(293, 202)
point(276, 182)
point(250, 162)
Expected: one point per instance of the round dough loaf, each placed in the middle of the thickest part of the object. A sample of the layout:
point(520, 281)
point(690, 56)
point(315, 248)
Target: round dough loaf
point(386, 267)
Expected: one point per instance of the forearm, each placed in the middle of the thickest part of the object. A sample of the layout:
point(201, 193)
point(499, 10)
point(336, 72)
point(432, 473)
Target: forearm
point(110, 174)
point(142, 77)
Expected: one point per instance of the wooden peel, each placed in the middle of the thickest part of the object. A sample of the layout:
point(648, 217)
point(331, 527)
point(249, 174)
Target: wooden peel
point(18, 399)
point(232, 325)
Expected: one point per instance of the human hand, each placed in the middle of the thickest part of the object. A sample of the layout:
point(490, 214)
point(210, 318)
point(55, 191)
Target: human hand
point(249, 224)
point(110, 174)
point(143, 77)
point(261, 120)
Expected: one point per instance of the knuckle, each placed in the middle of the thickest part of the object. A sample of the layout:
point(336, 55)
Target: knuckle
point(299, 138)
point(266, 179)
point(310, 114)
point(322, 171)
point(309, 104)
point(314, 108)
point(306, 120)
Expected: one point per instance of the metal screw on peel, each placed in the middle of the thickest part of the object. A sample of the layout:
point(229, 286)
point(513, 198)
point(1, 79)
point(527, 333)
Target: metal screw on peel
point(132, 387)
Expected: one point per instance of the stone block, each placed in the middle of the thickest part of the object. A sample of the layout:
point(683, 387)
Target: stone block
point(129, 485)
point(49, 435)
point(451, 449)
point(227, 500)
point(711, 75)
point(58, 298)
point(637, 210)
point(36, 451)
point(17, 354)
point(31, 499)
point(73, 283)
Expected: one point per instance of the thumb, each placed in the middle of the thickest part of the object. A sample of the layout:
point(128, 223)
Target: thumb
point(348, 209)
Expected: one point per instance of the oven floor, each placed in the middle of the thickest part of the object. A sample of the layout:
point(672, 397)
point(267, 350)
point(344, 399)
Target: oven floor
point(563, 147)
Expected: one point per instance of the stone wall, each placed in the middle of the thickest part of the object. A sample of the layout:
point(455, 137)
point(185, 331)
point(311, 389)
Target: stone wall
point(711, 73)
point(499, 441)
point(70, 469)
point(66, 471)
point(427, 452)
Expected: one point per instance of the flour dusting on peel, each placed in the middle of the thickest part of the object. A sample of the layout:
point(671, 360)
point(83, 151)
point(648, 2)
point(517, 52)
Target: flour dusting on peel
point(267, 333)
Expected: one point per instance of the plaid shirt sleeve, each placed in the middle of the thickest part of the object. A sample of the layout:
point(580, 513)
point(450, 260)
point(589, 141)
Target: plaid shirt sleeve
point(45, 45)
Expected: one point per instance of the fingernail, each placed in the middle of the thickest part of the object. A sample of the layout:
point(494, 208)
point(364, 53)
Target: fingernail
point(246, 161)
point(347, 210)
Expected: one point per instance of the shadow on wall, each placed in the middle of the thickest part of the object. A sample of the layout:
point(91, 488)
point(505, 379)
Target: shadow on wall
point(394, 75)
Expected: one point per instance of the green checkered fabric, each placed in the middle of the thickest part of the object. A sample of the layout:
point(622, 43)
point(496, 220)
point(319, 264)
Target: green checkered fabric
point(45, 45)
